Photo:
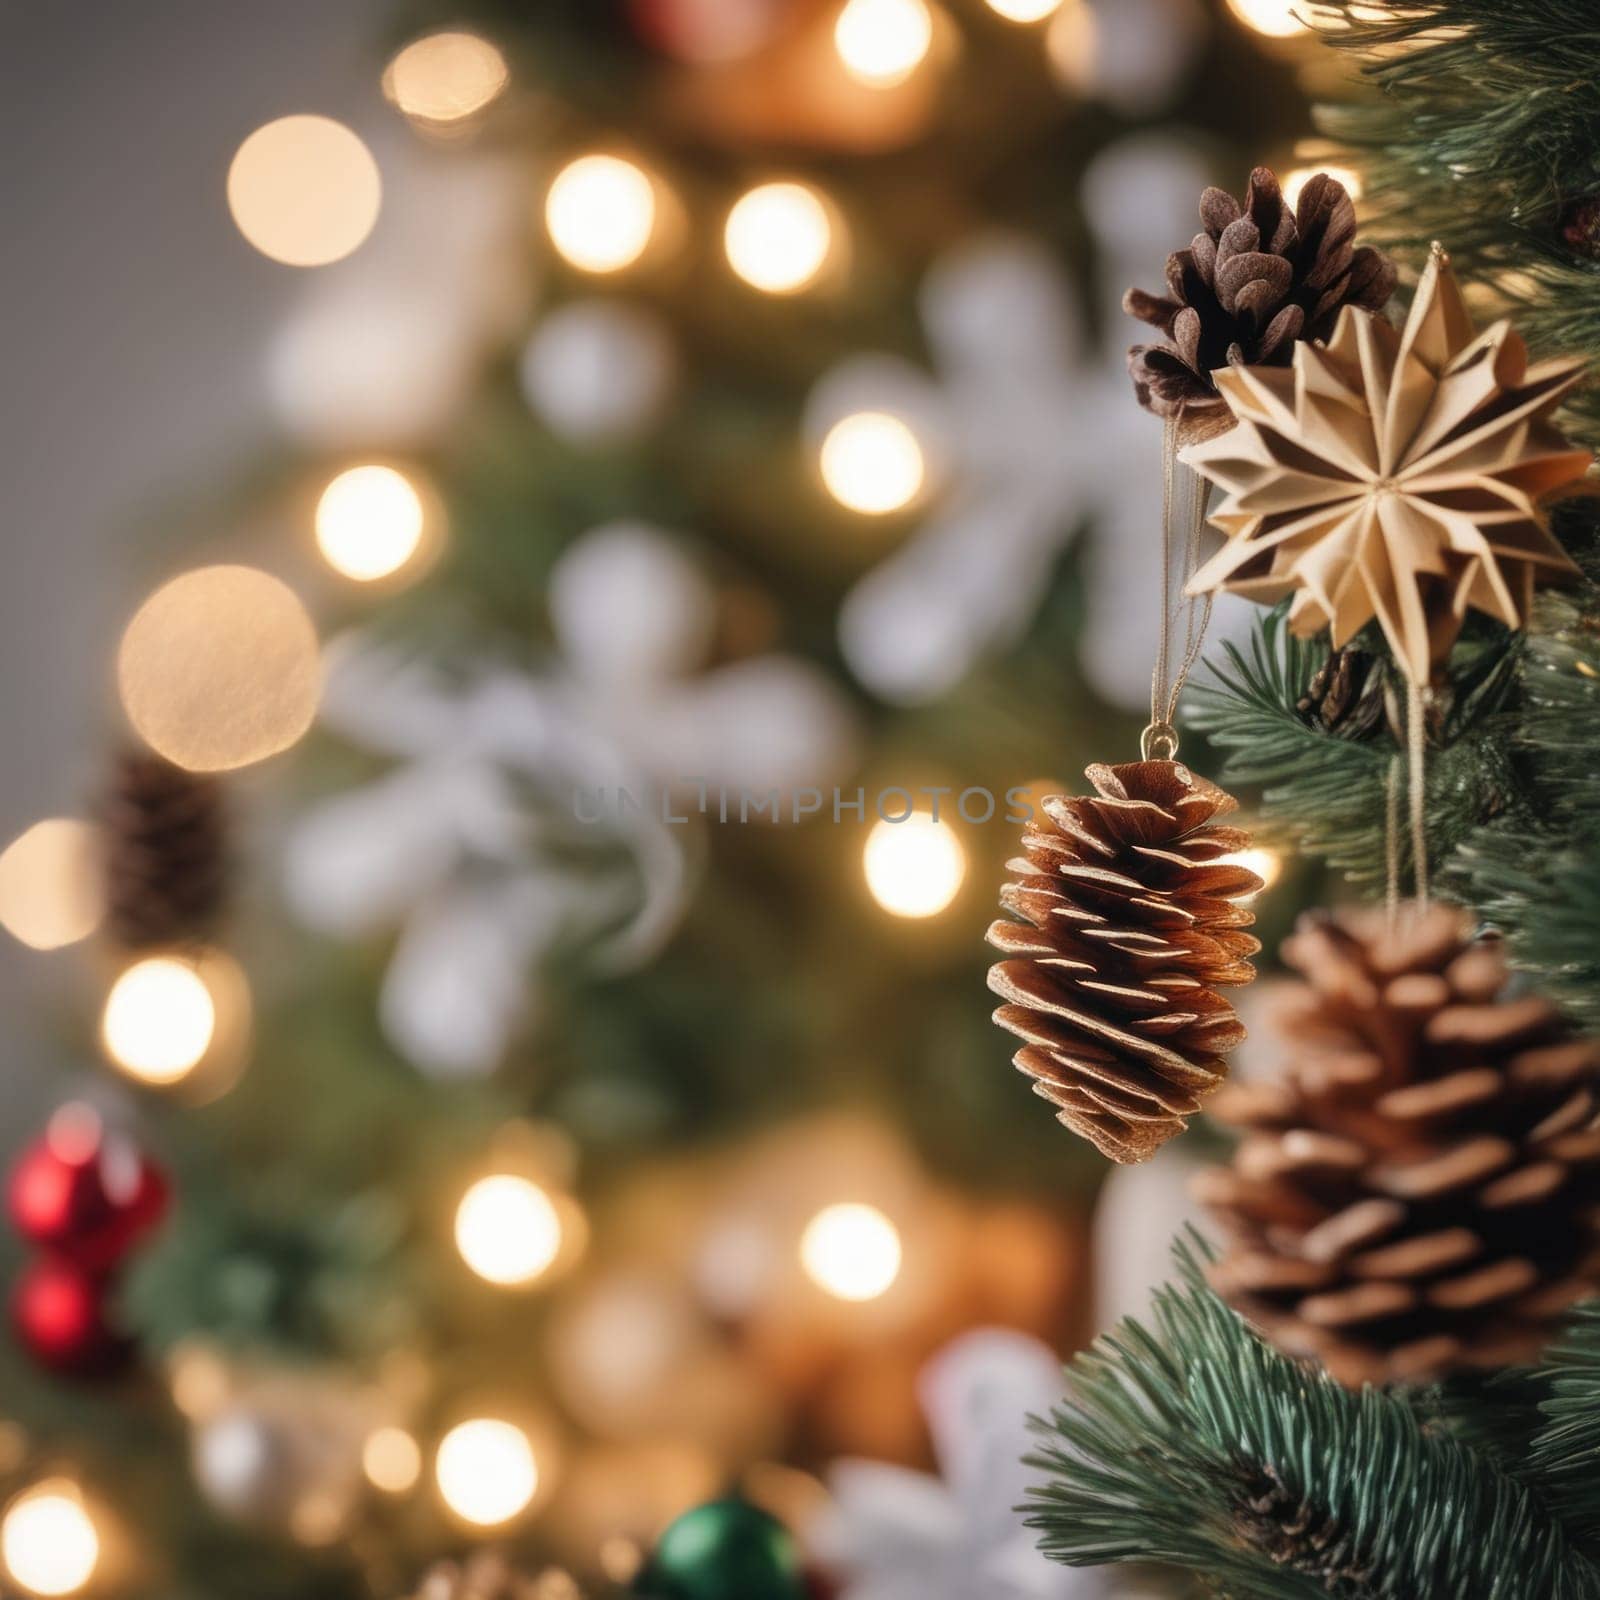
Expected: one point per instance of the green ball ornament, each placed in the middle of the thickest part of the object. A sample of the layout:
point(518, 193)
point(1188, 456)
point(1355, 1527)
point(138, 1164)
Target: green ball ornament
point(726, 1550)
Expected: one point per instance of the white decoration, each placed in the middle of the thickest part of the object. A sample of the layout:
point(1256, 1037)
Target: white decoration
point(1141, 1210)
point(598, 371)
point(894, 1534)
point(1029, 434)
point(383, 349)
point(468, 843)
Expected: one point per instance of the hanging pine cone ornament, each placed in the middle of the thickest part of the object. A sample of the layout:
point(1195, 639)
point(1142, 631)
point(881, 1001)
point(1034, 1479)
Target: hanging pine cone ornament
point(166, 852)
point(1416, 1193)
point(1127, 919)
point(1259, 278)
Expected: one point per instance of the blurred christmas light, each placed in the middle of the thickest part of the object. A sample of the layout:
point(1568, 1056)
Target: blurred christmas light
point(369, 522)
point(871, 462)
point(507, 1230)
point(601, 213)
point(914, 868)
point(1277, 19)
point(1298, 177)
point(445, 77)
point(852, 1251)
point(219, 668)
point(392, 1460)
point(1266, 864)
point(486, 1471)
point(48, 1540)
point(51, 892)
point(199, 1381)
point(882, 42)
point(1024, 10)
point(304, 190)
point(159, 1020)
point(778, 237)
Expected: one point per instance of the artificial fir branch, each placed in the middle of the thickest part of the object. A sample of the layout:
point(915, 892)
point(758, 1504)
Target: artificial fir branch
point(1194, 1444)
point(1563, 1453)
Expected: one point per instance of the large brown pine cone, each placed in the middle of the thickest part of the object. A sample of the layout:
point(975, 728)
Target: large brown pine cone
point(1417, 1192)
point(1127, 918)
point(166, 852)
point(1257, 279)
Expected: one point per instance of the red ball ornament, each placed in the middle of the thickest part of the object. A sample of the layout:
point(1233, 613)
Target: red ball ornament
point(60, 1315)
point(84, 1192)
point(708, 32)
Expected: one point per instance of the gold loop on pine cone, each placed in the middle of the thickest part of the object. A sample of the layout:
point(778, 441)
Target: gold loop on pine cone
point(1126, 918)
point(1417, 1192)
point(1394, 475)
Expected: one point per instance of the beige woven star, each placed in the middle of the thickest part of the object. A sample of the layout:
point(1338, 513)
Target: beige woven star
point(1393, 474)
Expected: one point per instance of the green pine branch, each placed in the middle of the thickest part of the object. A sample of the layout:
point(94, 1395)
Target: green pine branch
point(1194, 1444)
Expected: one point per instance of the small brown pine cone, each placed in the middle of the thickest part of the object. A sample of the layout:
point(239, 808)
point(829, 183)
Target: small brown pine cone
point(1257, 279)
point(1416, 1194)
point(1127, 918)
point(488, 1575)
point(1345, 695)
point(165, 852)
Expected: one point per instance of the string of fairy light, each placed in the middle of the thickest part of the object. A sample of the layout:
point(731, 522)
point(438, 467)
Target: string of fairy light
point(305, 191)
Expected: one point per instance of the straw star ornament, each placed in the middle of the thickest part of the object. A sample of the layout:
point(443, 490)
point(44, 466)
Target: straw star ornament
point(1393, 474)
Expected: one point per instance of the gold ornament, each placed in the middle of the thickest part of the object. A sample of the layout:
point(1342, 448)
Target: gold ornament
point(1394, 475)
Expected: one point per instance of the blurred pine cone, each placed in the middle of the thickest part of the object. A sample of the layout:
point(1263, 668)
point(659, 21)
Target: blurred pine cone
point(487, 1575)
point(1126, 921)
point(1257, 279)
point(165, 851)
point(1345, 695)
point(1417, 1193)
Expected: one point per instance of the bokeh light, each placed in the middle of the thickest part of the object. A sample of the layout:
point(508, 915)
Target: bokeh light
point(882, 42)
point(1025, 10)
point(159, 1020)
point(444, 78)
point(1266, 864)
point(392, 1460)
point(778, 237)
point(914, 868)
point(486, 1471)
point(369, 522)
point(1276, 19)
point(219, 668)
point(49, 1541)
point(852, 1251)
point(304, 190)
point(601, 212)
point(51, 890)
point(1297, 178)
point(508, 1230)
point(871, 462)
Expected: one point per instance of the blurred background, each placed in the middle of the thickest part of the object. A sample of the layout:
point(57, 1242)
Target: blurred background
point(464, 462)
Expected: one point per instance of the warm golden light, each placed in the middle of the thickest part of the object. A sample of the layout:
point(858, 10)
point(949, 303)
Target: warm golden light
point(219, 668)
point(304, 190)
point(486, 1471)
point(445, 77)
point(882, 42)
point(159, 1020)
point(369, 522)
point(914, 868)
point(1024, 10)
point(51, 892)
point(392, 1460)
point(1297, 178)
point(601, 212)
point(507, 1230)
point(852, 1251)
point(778, 237)
point(1274, 18)
point(871, 462)
point(1266, 864)
point(48, 1540)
